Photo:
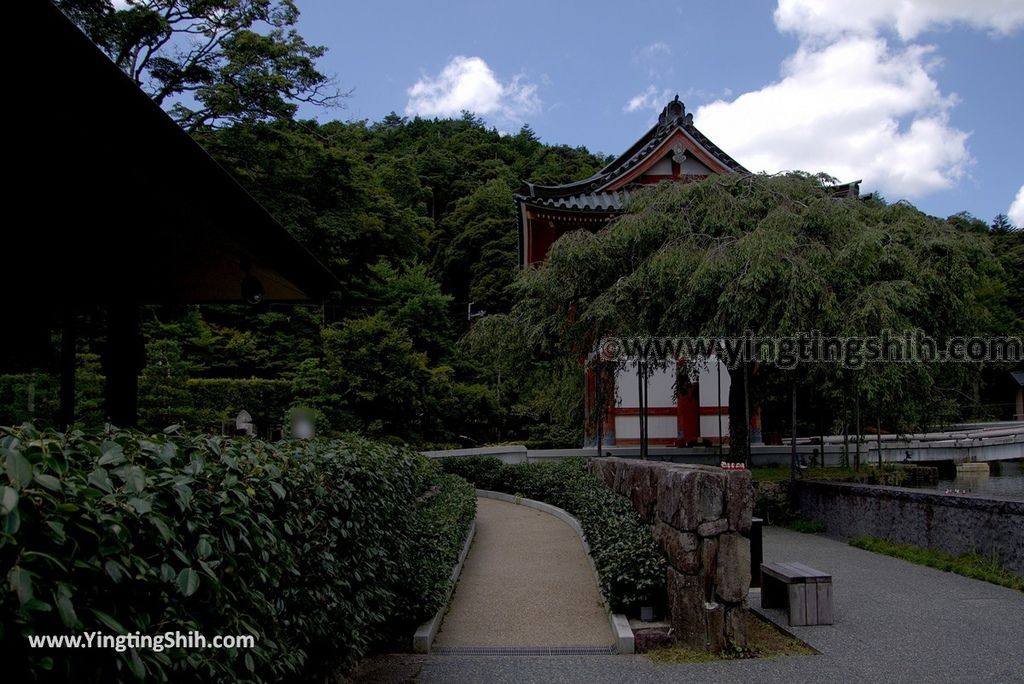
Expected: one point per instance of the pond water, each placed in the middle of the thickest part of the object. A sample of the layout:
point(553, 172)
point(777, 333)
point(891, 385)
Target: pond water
point(1004, 479)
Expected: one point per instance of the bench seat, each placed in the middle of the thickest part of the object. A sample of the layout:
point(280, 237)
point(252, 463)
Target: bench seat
point(804, 592)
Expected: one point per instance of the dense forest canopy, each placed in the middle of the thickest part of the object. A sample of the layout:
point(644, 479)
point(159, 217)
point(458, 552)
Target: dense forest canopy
point(416, 218)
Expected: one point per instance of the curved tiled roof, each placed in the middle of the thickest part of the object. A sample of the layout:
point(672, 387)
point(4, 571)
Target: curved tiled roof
point(584, 201)
point(587, 194)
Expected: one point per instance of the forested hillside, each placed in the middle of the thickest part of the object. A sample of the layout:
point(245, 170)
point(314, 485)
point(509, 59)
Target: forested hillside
point(417, 219)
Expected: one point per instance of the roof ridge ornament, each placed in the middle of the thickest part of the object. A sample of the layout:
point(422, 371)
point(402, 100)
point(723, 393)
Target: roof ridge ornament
point(674, 114)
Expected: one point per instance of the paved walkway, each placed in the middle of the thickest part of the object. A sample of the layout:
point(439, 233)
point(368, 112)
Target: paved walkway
point(895, 622)
point(526, 582)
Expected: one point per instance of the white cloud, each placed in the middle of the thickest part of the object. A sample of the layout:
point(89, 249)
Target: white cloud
point(850, 104)
point(469, 84)
point(654, 99)
point(910, 18)
point(1016, 211)
point(854, 109)
point(650, 98)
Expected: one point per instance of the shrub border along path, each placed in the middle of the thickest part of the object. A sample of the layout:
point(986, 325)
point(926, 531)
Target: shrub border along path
point(322, 548)
point(425, 633)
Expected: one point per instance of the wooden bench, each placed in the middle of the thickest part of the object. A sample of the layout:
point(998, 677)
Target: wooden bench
point(804, 591)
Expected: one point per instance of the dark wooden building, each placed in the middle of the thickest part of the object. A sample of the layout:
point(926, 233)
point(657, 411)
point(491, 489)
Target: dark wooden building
point(113, 206)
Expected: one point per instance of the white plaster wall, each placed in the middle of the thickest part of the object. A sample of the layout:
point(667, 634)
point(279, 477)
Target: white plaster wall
point(693, 166)
point(709, 427)
point(628, 427)
point(709, 384)
point(660, 387)
point(662, 168)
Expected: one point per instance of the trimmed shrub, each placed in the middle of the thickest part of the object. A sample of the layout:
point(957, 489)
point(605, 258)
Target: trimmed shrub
point(307, 545)
point(439, 535)
point(629, 564)
point(202, 404)
point(215, 400)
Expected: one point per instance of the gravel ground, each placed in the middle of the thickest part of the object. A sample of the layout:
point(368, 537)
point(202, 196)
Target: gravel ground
point(895, 622)
point(526, 582)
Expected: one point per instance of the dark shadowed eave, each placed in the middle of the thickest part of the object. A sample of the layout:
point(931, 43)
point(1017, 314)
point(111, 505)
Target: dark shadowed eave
point(120, 201)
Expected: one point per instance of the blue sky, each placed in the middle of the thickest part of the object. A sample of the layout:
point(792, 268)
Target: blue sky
point(922, 99)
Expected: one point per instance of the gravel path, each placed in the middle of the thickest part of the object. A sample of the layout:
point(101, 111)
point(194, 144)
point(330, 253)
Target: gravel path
point(895, 622)
point(526, 582)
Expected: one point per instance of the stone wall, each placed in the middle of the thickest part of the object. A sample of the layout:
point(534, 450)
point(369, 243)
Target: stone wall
point(951, 523)
point(699, 516)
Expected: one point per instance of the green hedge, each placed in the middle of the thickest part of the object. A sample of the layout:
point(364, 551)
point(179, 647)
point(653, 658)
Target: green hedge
point(438, 538)
point(210, 401)
point(16, 391)
point(629, 564)
point(308, 545)
point(215, 400)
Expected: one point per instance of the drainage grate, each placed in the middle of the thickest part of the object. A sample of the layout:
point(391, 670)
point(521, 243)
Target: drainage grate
point(522, 650)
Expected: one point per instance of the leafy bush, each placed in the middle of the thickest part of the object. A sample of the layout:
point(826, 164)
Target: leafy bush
point(437, 541)
point(629, 564)
point(308, 545)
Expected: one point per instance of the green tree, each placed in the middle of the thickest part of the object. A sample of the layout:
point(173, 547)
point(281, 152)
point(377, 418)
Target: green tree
point(776, 256)
point(413, 301)
point(316, 182)
point(476, 247)
point(380, 380)
point(88, 390)
point(163, 394)
point(1001, 224)
point(211, 61)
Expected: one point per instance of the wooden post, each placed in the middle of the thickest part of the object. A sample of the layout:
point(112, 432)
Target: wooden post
point(821, 429)
point(67, 368)
point(122, 362)
point(642, 389)
point(846, 434)
point(599, 403)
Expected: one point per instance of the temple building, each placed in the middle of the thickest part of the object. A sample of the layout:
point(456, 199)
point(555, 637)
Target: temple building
point(678, 413)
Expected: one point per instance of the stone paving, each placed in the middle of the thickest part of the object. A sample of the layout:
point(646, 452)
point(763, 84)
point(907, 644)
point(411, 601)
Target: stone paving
point(895, 622)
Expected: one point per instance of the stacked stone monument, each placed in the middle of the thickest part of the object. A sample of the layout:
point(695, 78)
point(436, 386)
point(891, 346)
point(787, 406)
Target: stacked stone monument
point(698, 516)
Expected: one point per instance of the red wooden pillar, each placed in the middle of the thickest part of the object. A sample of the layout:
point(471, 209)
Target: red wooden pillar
point(687, 407)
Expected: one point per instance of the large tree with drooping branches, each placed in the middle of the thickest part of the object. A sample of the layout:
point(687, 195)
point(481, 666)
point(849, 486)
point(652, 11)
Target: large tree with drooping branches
point(775, 256)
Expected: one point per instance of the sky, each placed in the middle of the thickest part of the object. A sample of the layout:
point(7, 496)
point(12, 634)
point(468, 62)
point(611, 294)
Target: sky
point(920, 99)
